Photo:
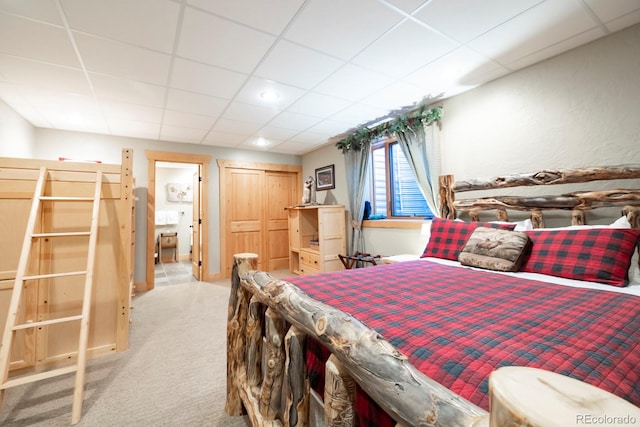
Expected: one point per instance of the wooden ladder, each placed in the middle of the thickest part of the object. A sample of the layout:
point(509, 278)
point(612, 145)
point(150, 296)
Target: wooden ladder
point(11, 327)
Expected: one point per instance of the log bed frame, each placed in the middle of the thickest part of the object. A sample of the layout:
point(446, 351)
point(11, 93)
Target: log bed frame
point(269, 319)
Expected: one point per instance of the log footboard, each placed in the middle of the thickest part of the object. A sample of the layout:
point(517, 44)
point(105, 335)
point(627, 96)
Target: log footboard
point(268, 321)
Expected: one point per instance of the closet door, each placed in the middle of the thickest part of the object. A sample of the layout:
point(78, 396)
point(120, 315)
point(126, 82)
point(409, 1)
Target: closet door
point(253, 198)
point(281, 192)
point(244, 206)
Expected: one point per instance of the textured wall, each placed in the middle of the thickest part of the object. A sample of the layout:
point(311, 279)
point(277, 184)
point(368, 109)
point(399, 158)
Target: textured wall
point(581, 108)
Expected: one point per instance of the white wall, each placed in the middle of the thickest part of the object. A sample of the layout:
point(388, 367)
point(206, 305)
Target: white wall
point(581, 108)
point(16, 134)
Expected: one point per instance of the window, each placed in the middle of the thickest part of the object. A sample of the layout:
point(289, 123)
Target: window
point(395, 191)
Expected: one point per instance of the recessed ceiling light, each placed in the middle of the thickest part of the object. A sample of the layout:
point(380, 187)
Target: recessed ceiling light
point(269, 95)
point(261, 142)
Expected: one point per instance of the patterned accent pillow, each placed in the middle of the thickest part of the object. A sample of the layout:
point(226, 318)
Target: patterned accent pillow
point(598, 255)
point(448, 237)
point(495, 249)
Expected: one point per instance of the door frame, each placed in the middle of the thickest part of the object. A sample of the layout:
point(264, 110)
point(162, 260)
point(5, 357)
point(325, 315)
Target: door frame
point(168, 156)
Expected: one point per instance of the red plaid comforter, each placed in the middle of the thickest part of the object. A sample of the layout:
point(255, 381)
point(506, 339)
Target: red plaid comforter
point(457, 325)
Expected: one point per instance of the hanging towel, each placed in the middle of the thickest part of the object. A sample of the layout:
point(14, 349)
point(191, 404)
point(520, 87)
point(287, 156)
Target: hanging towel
point(161, 218)
point(172, 217)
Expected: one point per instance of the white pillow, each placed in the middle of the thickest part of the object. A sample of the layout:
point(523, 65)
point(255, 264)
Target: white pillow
point(520, 225)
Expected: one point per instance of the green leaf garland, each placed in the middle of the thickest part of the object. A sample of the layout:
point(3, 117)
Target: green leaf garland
point(421, 116)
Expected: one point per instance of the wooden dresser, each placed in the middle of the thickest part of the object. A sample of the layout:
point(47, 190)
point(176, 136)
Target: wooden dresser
point(317, 234)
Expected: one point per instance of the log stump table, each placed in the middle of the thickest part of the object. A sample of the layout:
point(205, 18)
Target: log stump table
point(521, 396)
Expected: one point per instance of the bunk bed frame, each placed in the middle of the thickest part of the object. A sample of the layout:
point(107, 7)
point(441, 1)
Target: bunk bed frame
point(55, 344)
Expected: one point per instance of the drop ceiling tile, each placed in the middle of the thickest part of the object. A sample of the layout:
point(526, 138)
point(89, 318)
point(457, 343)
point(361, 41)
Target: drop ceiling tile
point(359, 114)
point(30, 114)
point(182, 134)
point(608, 10)
point(353, 83)
point(146, 23)
point(123, 111)
point(11, 93)
point(247, 112)
point(228, 45)
point(205, 79)
point(83, 116)
point(40, 10)
point(23, 38)
point(277, 133)
point(259, 144)
point(408, 6)
point(477, 19)
point(223, 139)
point(295, 65)
point(392, 55)
point(341, 28)
point(624, 21)
point(128, 91)
point(329, 128)
point(196, 103)
point(460, 67)
point(141, 129)
point(117, 59)
point(271, 16)
point(556, 49)
point(181, 119)
point(295, 121)
point(395, 96)
point(523, 35)
point(250, 93)
point(310, 138)
point(39, 75)
point(50, 99)
point(293, 148)
point(316, 104)
point(236, 127)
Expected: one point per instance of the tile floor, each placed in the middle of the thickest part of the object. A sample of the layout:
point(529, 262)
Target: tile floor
point(173, 273)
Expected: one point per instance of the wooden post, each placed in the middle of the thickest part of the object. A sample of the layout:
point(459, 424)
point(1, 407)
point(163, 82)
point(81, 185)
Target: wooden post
point(255, 325)
point(447, 197)
point(502, 215)
point(236, 325)
point(578, 217)
point(633, 215)
point(296, 384)
point(537, 219)
point(270, 391)
point(339, 395)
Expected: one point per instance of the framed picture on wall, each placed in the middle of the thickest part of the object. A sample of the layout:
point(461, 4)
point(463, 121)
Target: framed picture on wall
point(177, 192)
point(325, 179)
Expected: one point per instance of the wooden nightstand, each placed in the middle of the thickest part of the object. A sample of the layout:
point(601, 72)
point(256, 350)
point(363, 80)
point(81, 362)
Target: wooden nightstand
point(168, 241)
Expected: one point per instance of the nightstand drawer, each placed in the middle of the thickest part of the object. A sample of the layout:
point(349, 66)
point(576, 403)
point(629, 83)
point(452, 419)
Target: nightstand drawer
point(310, 259)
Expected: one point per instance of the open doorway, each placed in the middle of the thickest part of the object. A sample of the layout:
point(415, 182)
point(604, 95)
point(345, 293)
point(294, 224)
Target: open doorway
point(198, 223)
point(177, 256)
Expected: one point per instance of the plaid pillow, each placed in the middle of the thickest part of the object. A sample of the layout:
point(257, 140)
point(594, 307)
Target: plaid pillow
point(598, 255)
point(448, 236)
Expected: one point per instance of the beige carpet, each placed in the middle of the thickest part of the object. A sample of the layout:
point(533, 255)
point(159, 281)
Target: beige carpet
point(173, 374)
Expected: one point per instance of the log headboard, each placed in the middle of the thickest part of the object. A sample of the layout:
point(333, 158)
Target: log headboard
point(577, 202)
